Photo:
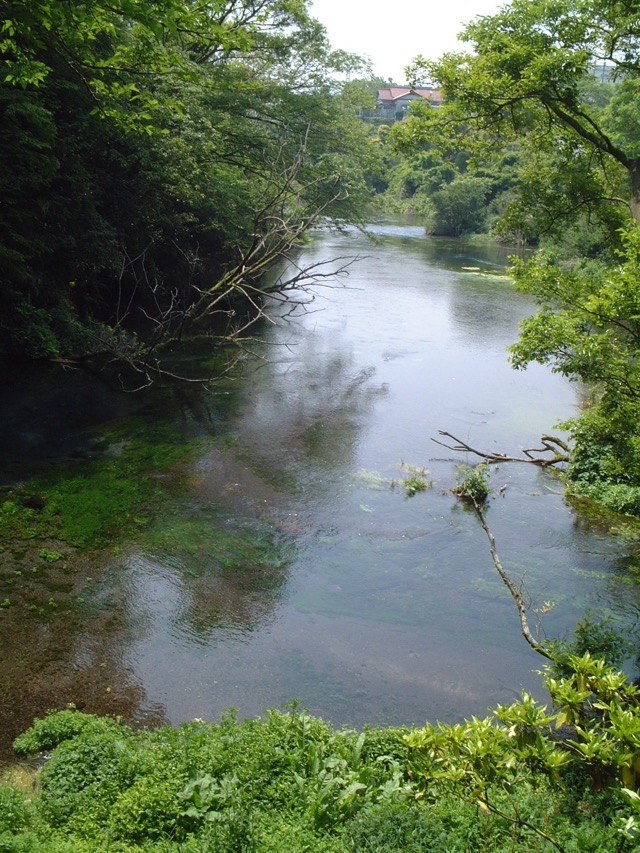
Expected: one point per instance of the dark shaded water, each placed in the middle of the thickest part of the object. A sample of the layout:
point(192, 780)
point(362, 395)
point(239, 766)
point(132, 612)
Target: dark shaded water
point(291, 568)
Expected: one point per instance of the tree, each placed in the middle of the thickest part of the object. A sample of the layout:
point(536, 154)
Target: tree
point(460, 206)
point(526, 79)
point(160, 153)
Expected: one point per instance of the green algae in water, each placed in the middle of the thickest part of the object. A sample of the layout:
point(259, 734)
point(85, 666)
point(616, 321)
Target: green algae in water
point(17, 520)
point(229, 547)
point(229, 573)
point(92, 502)
point(372, 480)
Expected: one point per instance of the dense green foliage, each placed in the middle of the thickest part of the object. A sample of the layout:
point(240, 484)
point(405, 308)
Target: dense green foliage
point(291, 782)
point(587, 328)
point(156, 157)
point(452, 194)
point(529, 80)
point(554, 86)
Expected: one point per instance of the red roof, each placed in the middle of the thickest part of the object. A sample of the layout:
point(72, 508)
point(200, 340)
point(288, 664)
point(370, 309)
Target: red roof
point(394, 93)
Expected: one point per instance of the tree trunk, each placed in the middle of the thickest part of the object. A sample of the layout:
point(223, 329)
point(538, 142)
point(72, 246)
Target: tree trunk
point(634, 202)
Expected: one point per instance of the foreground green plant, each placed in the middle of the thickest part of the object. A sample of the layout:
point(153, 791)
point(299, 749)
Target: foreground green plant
point(489, 760)
point(290, 782)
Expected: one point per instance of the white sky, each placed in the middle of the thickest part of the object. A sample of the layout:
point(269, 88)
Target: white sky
point(391, 35)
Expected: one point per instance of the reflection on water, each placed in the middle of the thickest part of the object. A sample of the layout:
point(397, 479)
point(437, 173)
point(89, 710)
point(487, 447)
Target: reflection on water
point(291, 568)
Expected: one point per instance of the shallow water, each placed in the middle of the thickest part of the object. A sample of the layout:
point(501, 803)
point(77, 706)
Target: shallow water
point(291, 568)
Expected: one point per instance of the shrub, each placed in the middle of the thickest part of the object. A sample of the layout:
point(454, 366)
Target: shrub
point(596, 636)
point(291, 782)
point(149, 809)
point(605, 461)
point(85, 775)
point(52, 730)
point(619, 497)
point(15, 811)
point(399, 827)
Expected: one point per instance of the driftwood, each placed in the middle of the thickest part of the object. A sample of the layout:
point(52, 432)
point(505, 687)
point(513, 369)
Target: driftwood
point(559, 451)
point(514, 591)
point(550, 444)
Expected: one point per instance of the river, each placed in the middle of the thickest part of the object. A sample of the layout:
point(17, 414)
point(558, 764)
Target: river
point(294, 566)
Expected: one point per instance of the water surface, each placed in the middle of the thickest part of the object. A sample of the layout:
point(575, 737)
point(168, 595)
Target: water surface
point(293, 567)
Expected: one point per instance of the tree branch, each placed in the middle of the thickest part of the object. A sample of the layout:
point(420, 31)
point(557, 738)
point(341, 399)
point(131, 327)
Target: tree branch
point(518, 821)
point(515, 593)
point(551, 444)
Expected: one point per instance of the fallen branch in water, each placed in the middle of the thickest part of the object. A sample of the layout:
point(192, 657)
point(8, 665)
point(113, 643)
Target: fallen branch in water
point(551, 444)
point(516, 594)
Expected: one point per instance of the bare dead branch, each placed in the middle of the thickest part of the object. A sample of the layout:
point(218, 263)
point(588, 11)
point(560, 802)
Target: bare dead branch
point(558, 449)
point(515, 592)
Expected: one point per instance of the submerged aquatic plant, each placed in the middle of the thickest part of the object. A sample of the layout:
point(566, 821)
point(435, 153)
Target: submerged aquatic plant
point(416, 481)
point(88, 503)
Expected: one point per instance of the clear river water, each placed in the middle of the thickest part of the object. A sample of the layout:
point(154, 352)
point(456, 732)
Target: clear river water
point(365, 604)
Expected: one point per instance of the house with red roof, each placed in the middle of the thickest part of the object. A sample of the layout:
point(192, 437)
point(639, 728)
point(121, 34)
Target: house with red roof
point(394, 102)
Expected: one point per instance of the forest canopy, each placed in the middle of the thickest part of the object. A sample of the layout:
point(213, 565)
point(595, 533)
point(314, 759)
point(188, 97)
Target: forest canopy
point(156, 157)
